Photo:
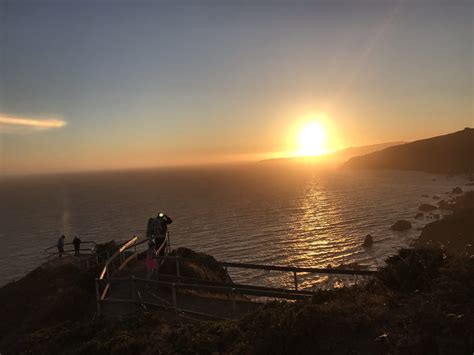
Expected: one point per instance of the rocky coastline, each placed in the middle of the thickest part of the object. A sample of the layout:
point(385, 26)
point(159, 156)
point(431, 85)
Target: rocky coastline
point(422, 301)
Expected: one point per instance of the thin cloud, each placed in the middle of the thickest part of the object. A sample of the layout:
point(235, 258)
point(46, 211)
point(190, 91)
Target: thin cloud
point(20, 124)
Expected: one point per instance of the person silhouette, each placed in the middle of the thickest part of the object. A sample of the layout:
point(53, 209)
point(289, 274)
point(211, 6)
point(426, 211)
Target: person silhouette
point(61, 246)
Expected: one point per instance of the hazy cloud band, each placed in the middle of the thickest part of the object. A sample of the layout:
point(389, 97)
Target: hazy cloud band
point(40, 123)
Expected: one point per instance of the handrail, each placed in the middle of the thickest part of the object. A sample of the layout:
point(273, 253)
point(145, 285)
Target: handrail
point(284, 268)
point(164, 244)
point(234, 288)
point(109, 262)
point(176, 282)
point(118, 252)
point(130, 243)
point(298, 269)
point(47, 249)
point(191, 280)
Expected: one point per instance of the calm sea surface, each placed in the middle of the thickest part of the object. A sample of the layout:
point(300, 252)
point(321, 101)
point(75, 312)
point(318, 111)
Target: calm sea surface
point(282, 215)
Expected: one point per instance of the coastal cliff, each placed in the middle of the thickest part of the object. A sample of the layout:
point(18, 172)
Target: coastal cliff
point(450, 153)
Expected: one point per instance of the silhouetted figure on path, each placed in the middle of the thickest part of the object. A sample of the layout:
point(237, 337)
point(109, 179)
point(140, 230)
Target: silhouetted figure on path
point(77, 245)
point(61, 245)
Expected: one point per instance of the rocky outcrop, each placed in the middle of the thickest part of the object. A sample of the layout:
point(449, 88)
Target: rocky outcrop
point(401, 225)
point(444, 205)
point(426, 207)
point(457, 190)
point(456, 232)
point(368, 241)
point(196, 265)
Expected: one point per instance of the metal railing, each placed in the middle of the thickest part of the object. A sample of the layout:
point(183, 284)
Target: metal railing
point(52, 250)
point(294, 270)
point(88, 256)
point(178, 283)
point(123, 256)
point(231, 294)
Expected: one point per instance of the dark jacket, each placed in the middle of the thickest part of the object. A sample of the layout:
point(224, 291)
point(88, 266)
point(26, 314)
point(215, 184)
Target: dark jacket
point(76, 241)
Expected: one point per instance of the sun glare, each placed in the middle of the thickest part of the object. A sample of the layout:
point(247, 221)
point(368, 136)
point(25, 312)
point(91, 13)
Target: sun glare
point(312, 139)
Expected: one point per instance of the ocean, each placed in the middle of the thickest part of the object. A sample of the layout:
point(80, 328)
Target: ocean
point(259, 213)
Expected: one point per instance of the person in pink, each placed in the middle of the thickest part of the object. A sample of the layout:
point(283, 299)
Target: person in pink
point(150, 260)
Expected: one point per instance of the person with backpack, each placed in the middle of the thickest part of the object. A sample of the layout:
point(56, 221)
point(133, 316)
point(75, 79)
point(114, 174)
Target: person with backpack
point(162, 222)
point(77, 245)
point(157, 229)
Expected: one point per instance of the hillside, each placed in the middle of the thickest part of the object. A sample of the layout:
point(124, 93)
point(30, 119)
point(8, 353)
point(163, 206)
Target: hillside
point(338, 156)
point(450, 153)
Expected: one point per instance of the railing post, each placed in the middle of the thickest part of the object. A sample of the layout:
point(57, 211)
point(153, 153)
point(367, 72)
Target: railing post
point(226, 274)
point(97, 295)
point(178, 273)
point(234, 307)
point(107, 276)
point(132, 281)
point(296, 280)
point(173, 294)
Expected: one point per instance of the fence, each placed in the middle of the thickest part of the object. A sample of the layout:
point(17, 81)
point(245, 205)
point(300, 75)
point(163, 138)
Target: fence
point(176, 283)
point(123, 256)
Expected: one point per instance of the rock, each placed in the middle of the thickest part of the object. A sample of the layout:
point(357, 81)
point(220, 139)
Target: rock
point(444, 205)
point(419, 215)
point(401, 225)
point(425, 207)
point(457, 190)
point(435, 197)
point(436, 215)
point(424, 196)
point(368, 241)
point(196, 265)
point(470, 184)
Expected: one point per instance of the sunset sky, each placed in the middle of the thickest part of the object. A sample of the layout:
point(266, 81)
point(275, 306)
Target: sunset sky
point(117, 84)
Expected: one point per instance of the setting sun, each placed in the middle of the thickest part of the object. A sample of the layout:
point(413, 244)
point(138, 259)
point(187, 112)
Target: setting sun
point(312, 139)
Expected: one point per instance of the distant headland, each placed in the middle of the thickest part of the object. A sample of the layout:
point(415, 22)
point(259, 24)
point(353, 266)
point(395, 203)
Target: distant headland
point(448, 154)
